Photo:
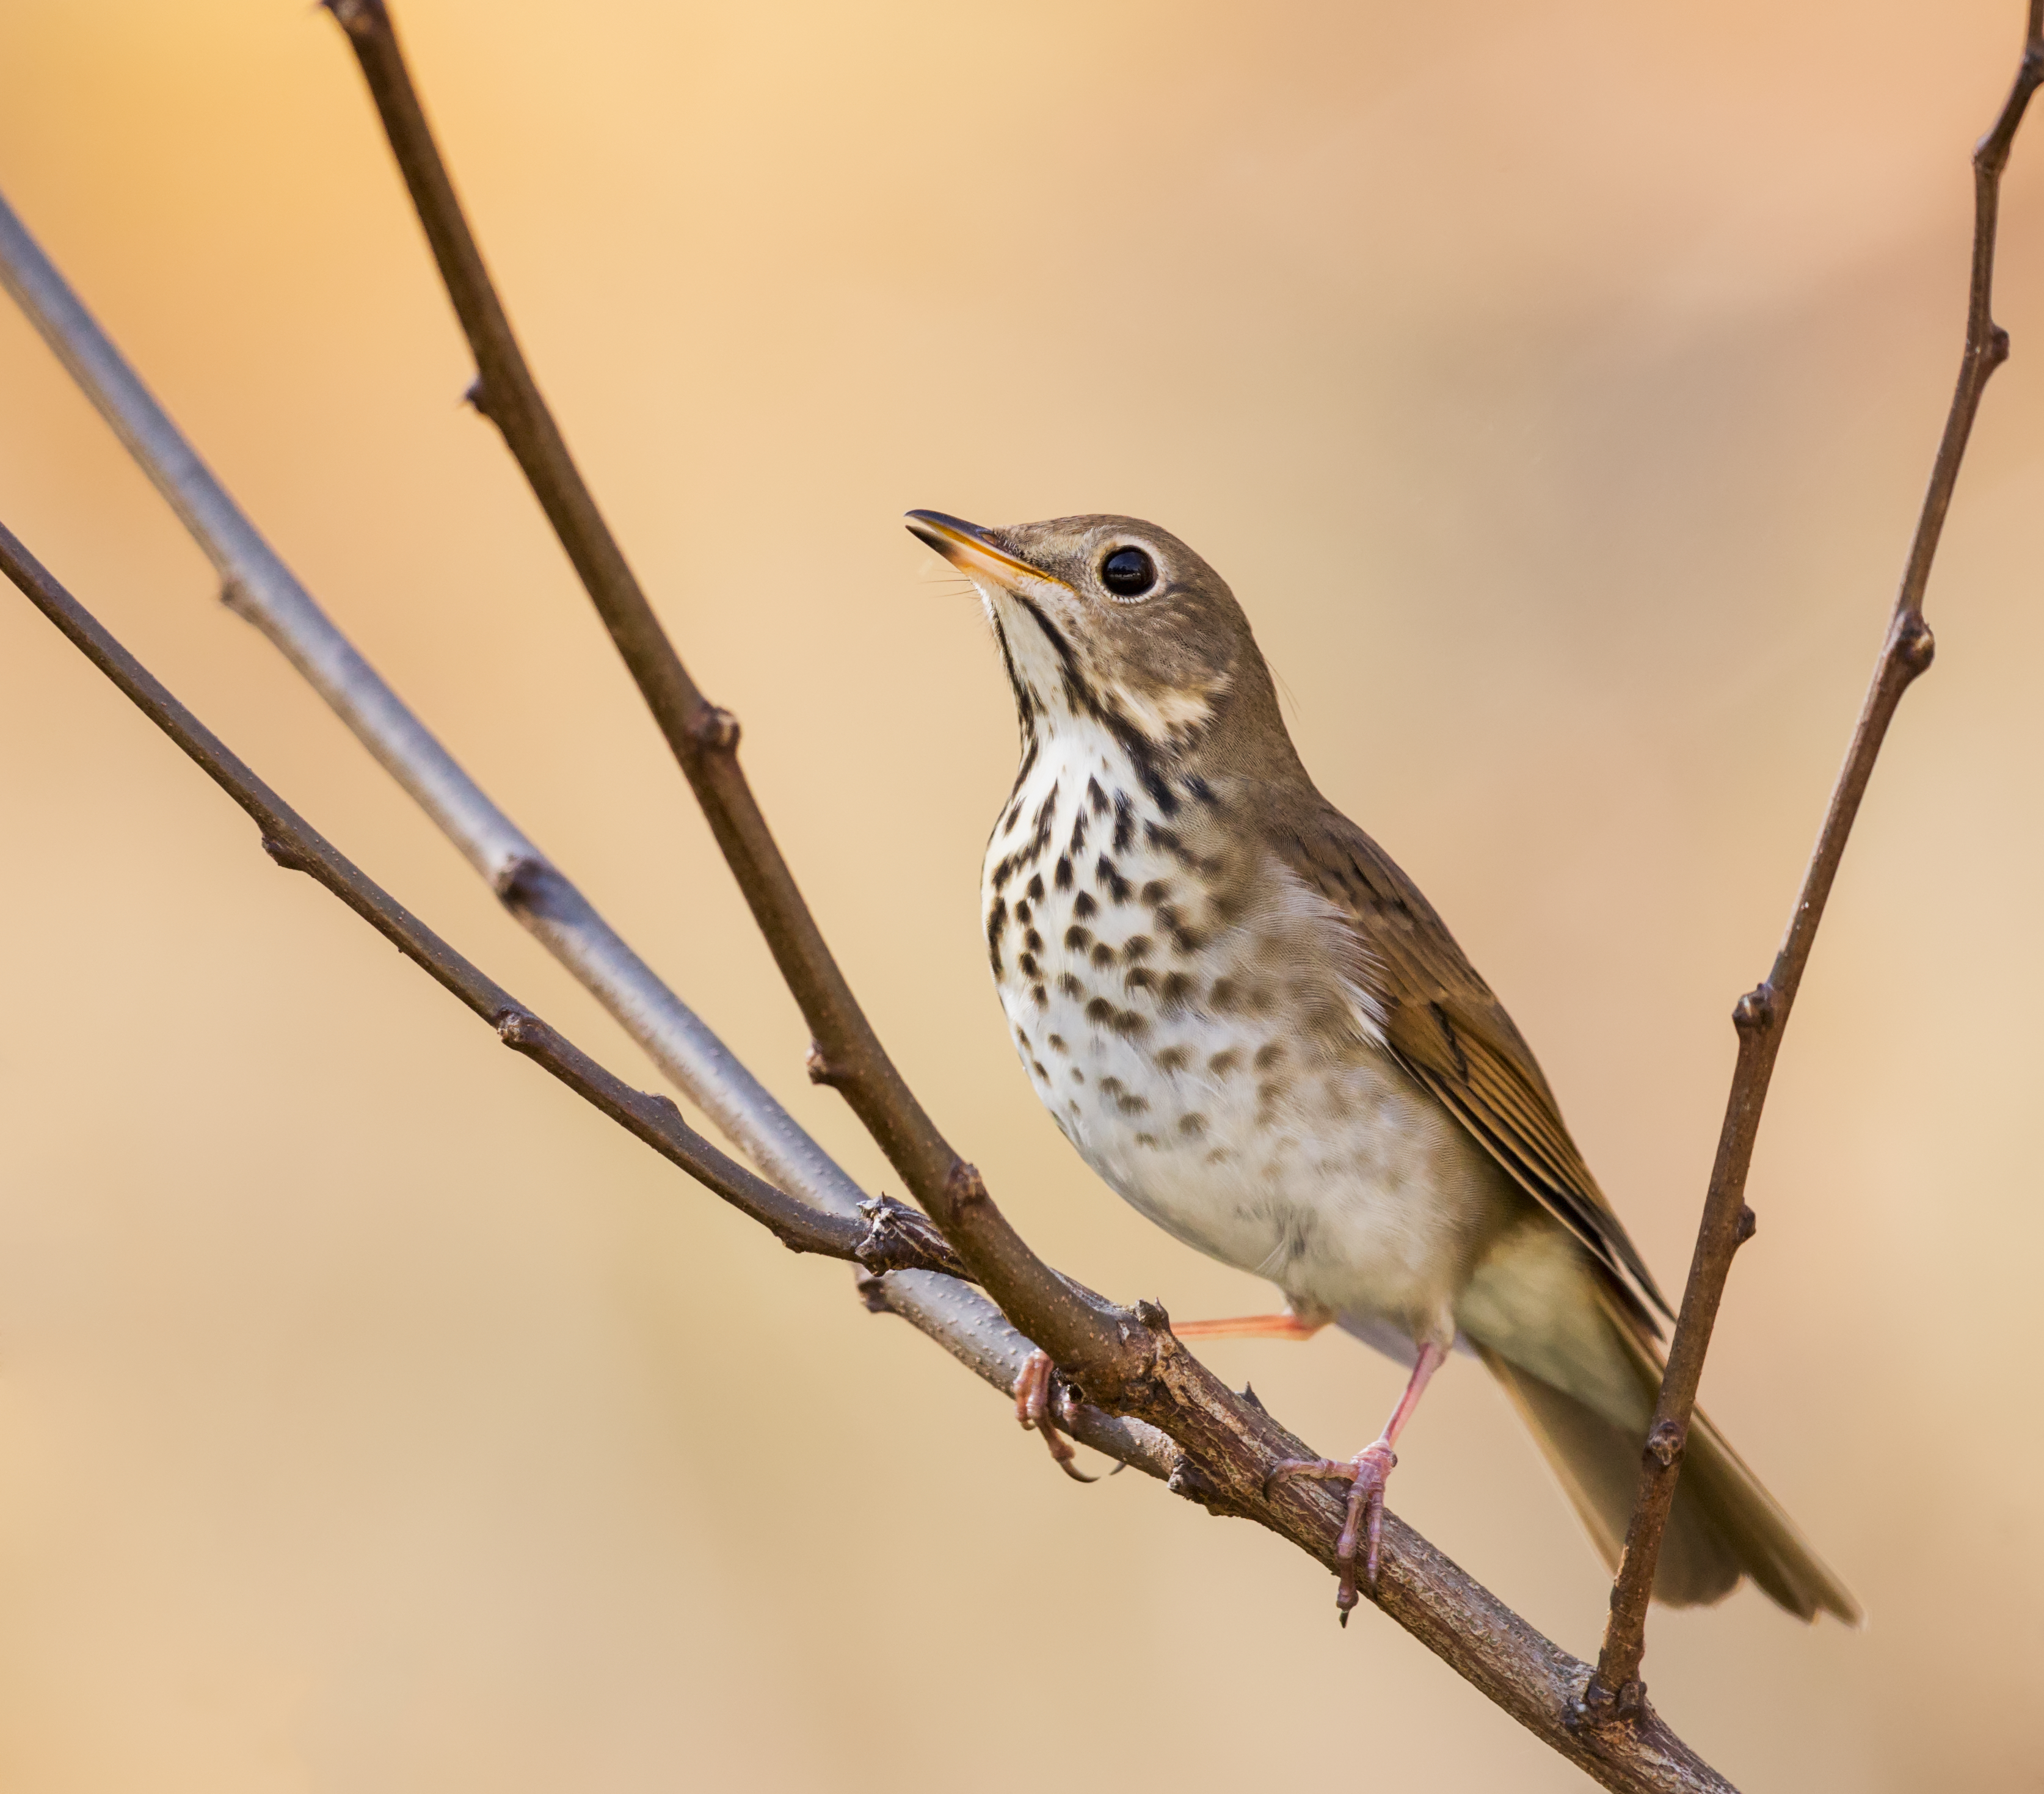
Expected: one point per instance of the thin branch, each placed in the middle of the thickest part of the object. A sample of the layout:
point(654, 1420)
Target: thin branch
point(1126, 1360)
point(260, 588)
point(1761, 1015)
point(296, 845)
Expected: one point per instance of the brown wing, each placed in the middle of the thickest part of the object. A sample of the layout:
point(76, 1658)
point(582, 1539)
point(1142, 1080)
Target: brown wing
point(1446, 1027)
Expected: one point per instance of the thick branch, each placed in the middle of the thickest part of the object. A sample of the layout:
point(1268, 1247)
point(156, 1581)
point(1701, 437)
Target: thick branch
point(1762, 1014)
point(295, 844)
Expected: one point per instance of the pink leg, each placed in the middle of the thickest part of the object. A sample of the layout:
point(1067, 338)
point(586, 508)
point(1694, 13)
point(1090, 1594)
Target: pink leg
point(1366, 1474)
point(1032, 1408)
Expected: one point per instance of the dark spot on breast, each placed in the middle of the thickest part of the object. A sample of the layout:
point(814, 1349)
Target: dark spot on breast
point(1220, 1155)
point(1192, 1126)
point(1176, 991)
point(1036, 1066)
point(1267, 1056)
point(1022, 910)
point(1224, 996)
point(1070, 987)
point(1064, 873)
point(1078, 939)
point(1100, 1011)
point(1124, 822)
point(1260, 1000)
point(1083, 905)
point(1136, 946)
point(1096, 797)
point(1221, 1064)
point(996, 924)
point(1056, 1043)
point(1109, 875)
point(1147, 1140)
point(1004, 870)
point(1041, 996)
point(1129, 1025)
point(1027, 965)
point(1139, 979)
point(1166, 839)
point(1174, 1059)
point(1103, 955)
point(1156, 891)
point(1197, 787)
point(1078, 833)
point(1035, 891)
point(1033, 941)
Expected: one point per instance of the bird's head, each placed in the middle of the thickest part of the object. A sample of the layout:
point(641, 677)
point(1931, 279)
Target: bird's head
point(1109, 622)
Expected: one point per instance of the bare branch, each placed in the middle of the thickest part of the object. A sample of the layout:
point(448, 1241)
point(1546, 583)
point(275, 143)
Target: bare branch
point(703, 739)
point(1762, 1013)
point(294, 844)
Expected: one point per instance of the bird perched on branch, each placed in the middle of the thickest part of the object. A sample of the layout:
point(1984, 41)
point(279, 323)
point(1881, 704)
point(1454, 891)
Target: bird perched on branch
point(1250, 1022)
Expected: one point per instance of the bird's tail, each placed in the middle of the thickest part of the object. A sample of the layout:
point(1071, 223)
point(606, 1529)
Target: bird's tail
point(1724, 1524)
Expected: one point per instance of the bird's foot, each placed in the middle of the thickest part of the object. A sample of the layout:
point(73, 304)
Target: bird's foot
point(1365, 1473)
point(1035, 1404)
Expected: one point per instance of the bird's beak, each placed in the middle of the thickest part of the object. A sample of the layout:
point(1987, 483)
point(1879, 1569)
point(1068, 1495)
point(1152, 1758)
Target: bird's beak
point(974, 552)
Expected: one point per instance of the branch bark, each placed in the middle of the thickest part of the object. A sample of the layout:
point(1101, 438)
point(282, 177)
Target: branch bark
point(1761, 1015)
point(294, 844)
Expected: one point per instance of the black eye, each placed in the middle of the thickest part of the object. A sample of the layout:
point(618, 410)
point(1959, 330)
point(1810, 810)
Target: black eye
point(1128, 572)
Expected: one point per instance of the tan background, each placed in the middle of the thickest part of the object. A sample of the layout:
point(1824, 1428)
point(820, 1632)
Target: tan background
point(1555, 385)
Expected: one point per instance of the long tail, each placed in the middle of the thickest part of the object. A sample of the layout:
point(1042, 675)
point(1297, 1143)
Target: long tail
point(1724, 1524)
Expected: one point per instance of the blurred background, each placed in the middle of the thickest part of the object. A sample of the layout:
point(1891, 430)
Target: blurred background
point(1556, 386)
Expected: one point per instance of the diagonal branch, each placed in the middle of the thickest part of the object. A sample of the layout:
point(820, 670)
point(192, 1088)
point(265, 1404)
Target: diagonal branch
point(1762, 1013)
point(296, 845)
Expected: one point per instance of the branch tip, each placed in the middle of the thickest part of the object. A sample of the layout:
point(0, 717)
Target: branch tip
point(820, 1068)
point(1664, 1443)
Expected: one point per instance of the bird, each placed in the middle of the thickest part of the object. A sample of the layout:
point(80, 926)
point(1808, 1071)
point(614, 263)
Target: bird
point(1251, 1025)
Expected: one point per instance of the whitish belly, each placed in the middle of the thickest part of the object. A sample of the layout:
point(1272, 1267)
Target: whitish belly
point(1166, 1047)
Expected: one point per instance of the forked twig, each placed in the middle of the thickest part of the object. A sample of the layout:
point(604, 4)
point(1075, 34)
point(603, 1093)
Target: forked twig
point(293, 843)
point(1762, 1014)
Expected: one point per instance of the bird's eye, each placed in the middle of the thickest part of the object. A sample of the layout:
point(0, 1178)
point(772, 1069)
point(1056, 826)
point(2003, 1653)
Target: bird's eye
point(1128, 572)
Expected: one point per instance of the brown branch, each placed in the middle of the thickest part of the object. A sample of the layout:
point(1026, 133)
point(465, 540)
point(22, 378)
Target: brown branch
point(1762, 1014)
point(1123, 1360)
point(893, 1236)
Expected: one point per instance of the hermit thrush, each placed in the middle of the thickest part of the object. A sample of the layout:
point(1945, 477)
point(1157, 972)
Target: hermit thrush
point(1250, 1022)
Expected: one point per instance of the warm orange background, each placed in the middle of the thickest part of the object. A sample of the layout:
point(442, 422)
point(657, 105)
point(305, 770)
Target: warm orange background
point(1555, 385)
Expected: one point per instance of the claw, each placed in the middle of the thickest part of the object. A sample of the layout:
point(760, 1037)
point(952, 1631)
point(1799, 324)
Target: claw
point(1032, 1409)
point(1365, 1473)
